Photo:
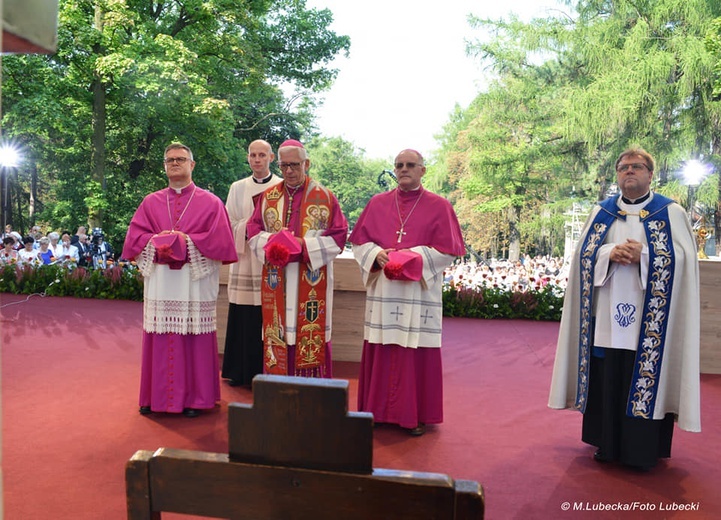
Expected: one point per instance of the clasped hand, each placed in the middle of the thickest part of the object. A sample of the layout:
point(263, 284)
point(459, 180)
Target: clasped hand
point(382, 257)
point(627, 253)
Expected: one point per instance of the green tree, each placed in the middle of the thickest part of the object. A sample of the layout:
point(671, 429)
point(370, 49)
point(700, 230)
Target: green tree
point(341, 167)
point(131, 76)
point(510, 164)
point(574, 90)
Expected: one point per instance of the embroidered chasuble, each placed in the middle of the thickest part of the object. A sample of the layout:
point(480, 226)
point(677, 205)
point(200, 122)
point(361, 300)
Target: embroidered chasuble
point(651, 308)
point(297, 291)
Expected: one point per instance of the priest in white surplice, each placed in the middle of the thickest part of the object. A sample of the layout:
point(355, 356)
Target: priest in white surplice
point(243, 354)
point(628, 348)
point(403, 241)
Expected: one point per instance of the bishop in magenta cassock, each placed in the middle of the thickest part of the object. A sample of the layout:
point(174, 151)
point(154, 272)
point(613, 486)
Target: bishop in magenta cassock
point(403, 241)
point(179, 237)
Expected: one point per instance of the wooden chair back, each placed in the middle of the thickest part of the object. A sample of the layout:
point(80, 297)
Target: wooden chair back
point(296, 453)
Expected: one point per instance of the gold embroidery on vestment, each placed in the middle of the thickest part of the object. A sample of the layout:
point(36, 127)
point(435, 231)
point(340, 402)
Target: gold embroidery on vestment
point(642, 213)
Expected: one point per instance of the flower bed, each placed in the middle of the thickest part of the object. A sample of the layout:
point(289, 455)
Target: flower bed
point(116, 282)
point(123, 281)
point(542, 304)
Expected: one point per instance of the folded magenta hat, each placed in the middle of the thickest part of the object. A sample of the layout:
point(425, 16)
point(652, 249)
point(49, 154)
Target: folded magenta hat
point(170, 249)
point(404, 265)
point(281, 248)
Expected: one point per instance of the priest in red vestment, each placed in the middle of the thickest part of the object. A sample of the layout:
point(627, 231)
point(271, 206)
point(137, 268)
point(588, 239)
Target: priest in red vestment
point(296, 231)
point(403, 241)
point(179, 237)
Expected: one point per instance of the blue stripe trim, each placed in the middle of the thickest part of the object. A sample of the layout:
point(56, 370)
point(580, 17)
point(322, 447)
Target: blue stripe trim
point(656, 310)
point(657, 300)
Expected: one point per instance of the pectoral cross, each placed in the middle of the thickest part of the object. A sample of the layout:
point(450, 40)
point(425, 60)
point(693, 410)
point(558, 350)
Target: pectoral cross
point(400, 234)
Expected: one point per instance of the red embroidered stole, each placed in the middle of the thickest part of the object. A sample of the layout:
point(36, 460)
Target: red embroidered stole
point(310, 340)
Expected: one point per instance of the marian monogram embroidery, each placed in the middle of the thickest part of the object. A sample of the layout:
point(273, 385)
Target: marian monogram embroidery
point(625, 314)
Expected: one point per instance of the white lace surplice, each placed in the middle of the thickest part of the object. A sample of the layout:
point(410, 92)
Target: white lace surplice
point(179, 301)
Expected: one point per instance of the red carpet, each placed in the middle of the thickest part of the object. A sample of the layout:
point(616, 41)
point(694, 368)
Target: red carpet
point(70, 371)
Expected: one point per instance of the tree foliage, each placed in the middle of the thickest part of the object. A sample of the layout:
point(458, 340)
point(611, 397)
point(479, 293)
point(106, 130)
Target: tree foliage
point(346, 171)
point(130, 76)
point(571, 91)
point(567, 93)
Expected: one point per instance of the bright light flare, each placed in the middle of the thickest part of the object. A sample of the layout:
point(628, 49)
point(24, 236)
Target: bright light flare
point(694, 171)
point(9, 156)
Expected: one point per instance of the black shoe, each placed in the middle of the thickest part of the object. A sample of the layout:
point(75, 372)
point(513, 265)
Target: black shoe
point(191, 412)
point(234, 382)
point(145, 410)
point(418, 430)
point(600, 457)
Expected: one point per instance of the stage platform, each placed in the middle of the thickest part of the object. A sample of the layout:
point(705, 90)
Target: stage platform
point(349, 305)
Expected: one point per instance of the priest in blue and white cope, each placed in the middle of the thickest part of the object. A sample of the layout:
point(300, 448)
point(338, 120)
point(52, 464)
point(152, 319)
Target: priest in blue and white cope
point(628, 346)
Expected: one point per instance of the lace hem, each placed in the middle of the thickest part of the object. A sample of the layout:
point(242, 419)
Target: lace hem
point(177, 317)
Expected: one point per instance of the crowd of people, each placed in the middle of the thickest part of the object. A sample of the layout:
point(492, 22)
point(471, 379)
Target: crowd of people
point(528, 273)
point(37, 248)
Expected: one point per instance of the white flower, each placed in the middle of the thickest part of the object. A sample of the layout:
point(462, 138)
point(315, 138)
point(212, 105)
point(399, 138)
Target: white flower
point(495, 305)
point(655, 302)
point(640, 406)
point(643, 383)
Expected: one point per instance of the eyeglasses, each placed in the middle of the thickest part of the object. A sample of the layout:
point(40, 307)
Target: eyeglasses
point(409, 165)
point(637, 167)
point(292, 165)
point(172, 160)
